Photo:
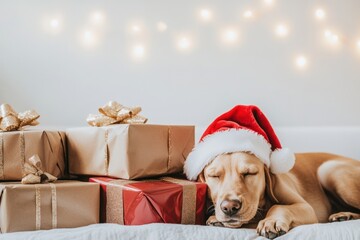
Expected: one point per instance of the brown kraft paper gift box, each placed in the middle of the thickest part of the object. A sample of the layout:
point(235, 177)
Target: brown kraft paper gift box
point(129, 151)
point(16, 147)
point(63, 204)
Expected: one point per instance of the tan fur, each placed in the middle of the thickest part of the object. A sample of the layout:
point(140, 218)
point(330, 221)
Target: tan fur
point(321, 187)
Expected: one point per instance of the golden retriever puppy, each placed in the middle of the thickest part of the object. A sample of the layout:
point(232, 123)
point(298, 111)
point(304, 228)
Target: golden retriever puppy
point(319, 188)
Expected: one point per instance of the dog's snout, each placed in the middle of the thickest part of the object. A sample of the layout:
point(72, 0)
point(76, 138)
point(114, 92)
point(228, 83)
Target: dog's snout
point(230, 207)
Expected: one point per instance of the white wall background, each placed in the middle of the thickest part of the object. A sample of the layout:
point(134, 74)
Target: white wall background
point(65, 81)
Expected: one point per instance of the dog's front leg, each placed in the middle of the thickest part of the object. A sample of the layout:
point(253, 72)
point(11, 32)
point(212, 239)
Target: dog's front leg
point(212, 221)
point(281, 218)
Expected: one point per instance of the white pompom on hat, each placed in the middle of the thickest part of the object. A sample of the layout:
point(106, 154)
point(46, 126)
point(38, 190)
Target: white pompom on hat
point(242, 129)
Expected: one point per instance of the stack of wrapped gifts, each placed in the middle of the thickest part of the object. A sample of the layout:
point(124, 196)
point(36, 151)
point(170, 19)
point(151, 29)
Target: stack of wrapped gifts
point(125, 170)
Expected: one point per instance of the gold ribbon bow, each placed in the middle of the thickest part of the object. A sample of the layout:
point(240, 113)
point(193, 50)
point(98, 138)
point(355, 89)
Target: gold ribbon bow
point(11, 120)
point(113, 113)
point(33, 172)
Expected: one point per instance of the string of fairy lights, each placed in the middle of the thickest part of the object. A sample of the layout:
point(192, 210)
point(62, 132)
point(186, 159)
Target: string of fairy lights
point(229, 35)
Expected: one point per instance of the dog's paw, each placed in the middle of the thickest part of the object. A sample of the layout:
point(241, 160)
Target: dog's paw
point(212, 221)
point(272, 228)
point(343, 216)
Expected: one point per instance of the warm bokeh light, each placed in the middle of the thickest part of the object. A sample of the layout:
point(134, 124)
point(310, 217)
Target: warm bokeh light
point(248, 14)
point(301, 61)
point(89, 38)
point(55, 23)
point(205, 14)
point(320, 13)
point(230, 35)
point(331, 37)
point(184, 43)
point(138, 51)
point(161, 26)
point(98, 18)
point(269, 2)
point(136, 28)
point(281, 30)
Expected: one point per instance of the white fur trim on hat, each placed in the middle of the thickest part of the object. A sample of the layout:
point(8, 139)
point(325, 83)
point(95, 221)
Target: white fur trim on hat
point(282, 160)
point(228, 141)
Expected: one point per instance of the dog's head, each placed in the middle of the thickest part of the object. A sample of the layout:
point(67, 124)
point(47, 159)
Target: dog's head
point(237, 187)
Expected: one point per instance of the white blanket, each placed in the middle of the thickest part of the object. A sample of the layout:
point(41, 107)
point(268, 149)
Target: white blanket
point(336, 231)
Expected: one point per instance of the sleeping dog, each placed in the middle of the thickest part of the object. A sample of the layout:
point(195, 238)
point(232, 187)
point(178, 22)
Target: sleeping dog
point(252, 179)
point(319, 188)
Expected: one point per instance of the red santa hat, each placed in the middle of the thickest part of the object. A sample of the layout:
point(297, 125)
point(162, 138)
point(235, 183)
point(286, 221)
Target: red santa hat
point(242, 129)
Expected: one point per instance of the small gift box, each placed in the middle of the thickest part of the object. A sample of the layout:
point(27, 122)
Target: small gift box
point(64, 204)
point(17, 147)
point(165, 200)
point(129, 151)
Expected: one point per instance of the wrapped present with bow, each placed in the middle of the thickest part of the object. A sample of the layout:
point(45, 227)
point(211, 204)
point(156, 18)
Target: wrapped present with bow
point(34, 173)
point(17, 145)
point(11, 120)
point(163, 200)
point(115, 113)
point(128, 151)
point(63, 204)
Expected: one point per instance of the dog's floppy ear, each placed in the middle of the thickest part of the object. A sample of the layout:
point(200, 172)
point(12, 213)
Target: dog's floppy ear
point(201, 177)
point(270, 182)
point(210, 209)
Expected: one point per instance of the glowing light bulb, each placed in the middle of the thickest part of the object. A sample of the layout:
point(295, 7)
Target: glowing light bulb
point(331, 38)
point(301, 61)
point(161, 26)
point(55, 23)
point(89, 38)
point(335, 38)
point(268, 2)
point(248, 14)
point(138, 51)
point(97, 17)
point(184, 43)
point(205, 14)
point(230, 35)
point(320, 14)
point(136, 29)
point(328, 34)
point(358, 44)
point(281, 30)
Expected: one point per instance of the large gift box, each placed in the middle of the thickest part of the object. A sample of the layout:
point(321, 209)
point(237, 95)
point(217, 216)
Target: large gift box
point(165, 200)
point(64, 204)
point(129, 151)
point(17, 147)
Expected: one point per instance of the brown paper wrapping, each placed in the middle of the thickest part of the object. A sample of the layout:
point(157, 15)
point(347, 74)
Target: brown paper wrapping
point(17, 147)
point(129, 151)
point(64, 204)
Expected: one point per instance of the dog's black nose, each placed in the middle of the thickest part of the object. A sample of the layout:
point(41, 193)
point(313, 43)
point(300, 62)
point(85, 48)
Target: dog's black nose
point(230, 207)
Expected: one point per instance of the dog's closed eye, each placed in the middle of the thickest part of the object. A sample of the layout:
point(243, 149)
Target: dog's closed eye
point(249, 173)
point(213, 175)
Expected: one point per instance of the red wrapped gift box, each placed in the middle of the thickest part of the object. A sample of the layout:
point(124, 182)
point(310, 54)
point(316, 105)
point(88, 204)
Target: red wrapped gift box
point(165, 200)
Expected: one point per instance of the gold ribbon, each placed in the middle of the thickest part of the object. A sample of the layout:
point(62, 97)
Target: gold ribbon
point(33, 172)
point(1, 156)
point(12, 121)
point(169, 148)
point(188, 211)
point(106, 152)
point(115, 204)
point(38, 206)
point(115, 113)
point(53, 205)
